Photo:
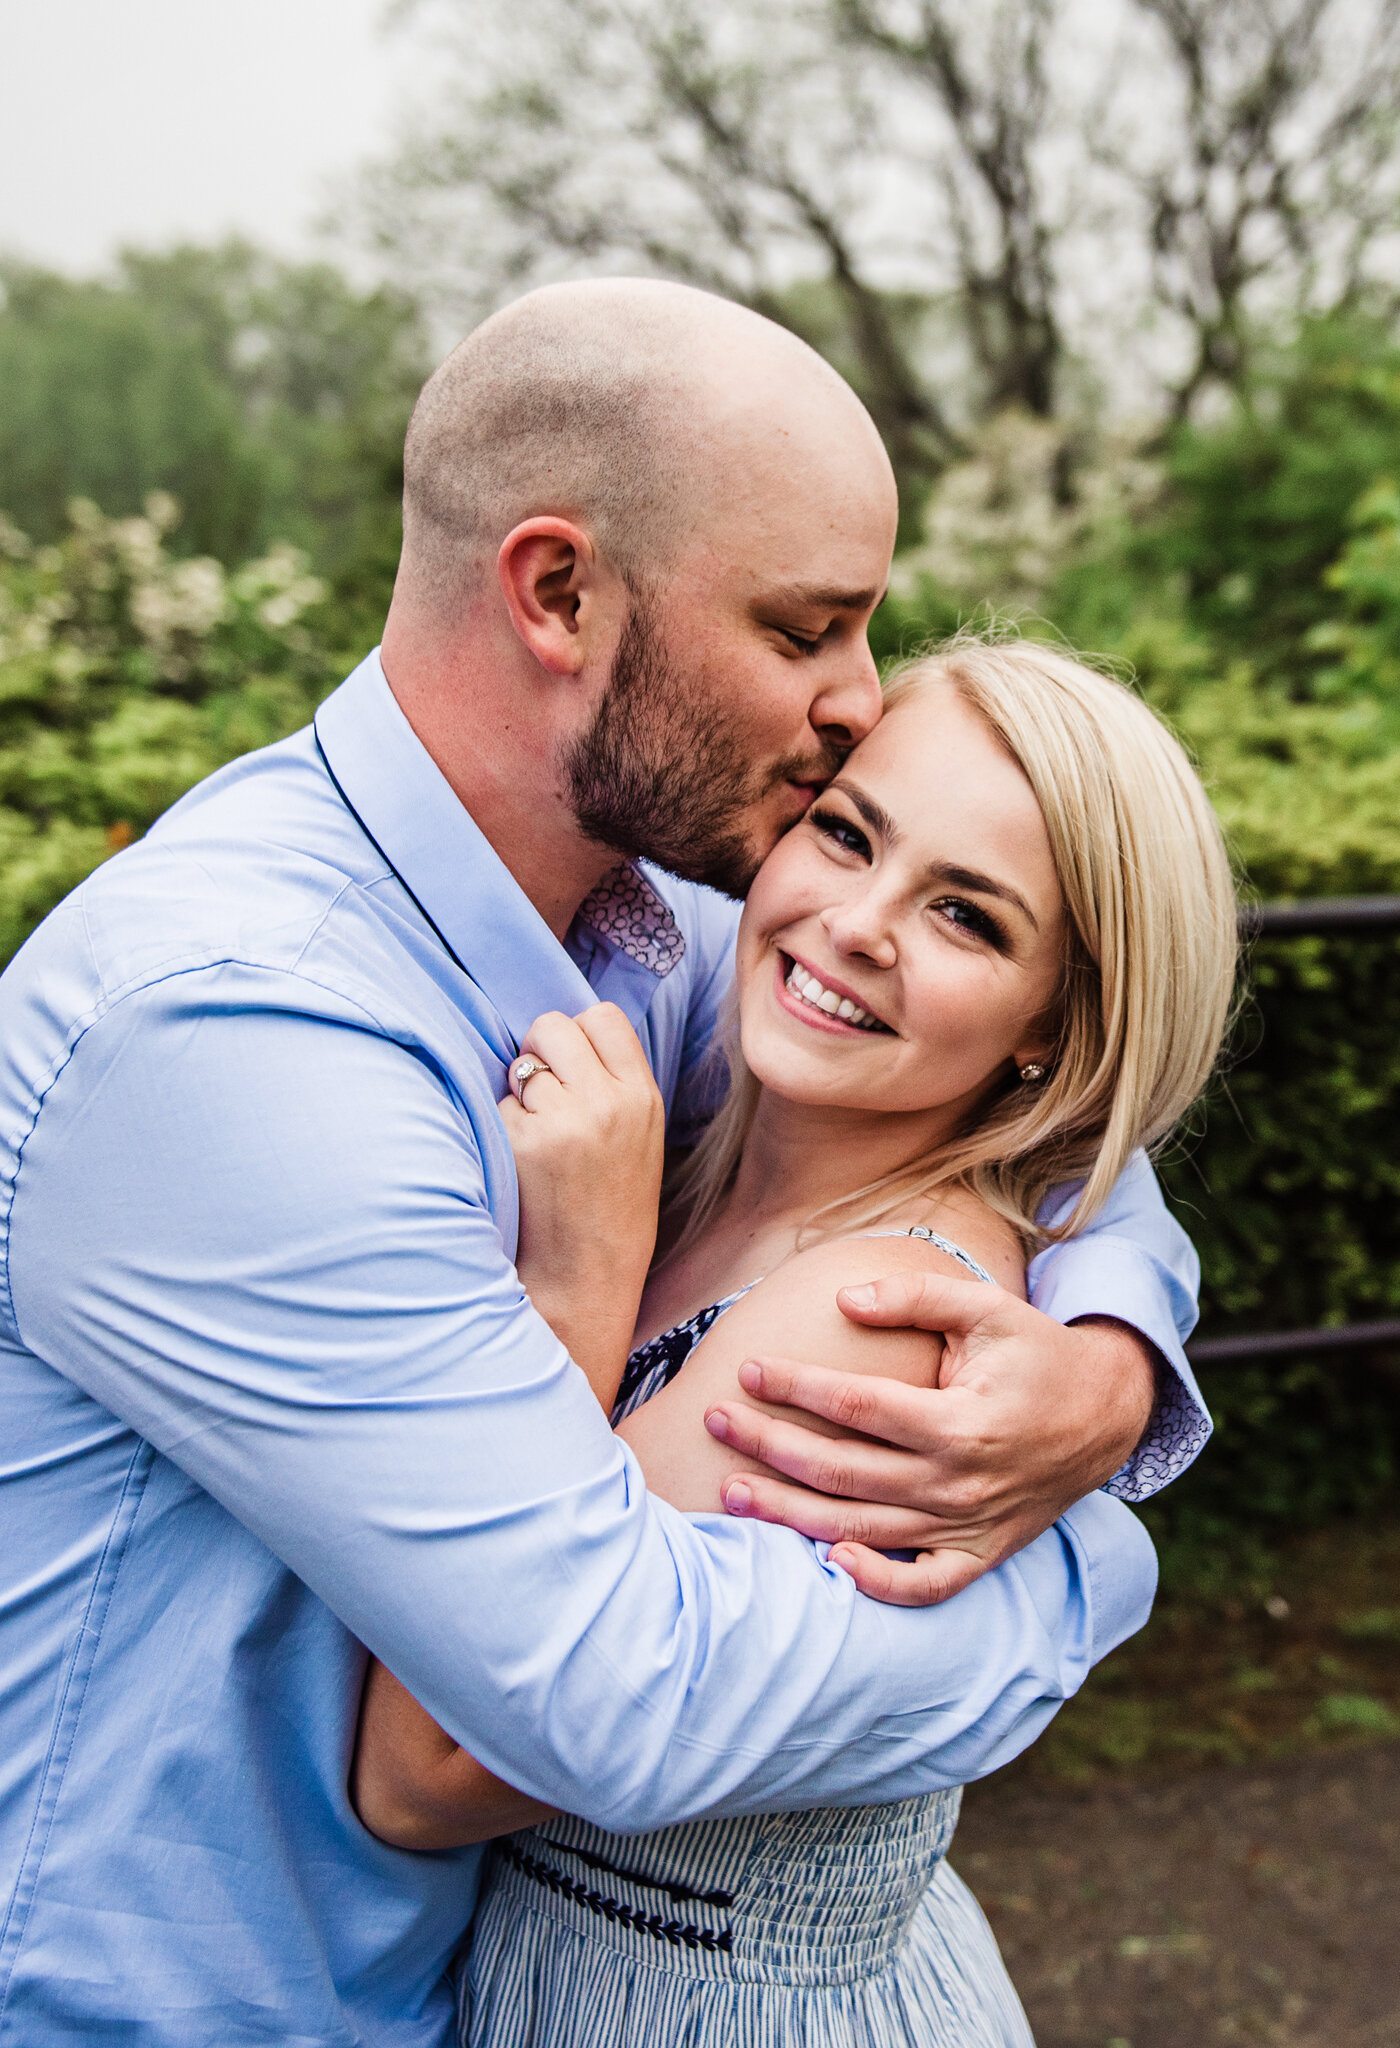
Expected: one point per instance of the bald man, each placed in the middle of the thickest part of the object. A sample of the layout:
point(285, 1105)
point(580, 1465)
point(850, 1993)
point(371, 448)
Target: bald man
point(272, 1391)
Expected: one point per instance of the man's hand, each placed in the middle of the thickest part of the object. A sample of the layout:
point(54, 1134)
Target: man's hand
point(1028, 1417)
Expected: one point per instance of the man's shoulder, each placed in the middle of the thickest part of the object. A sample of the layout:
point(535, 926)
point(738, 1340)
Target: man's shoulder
point(246, 869)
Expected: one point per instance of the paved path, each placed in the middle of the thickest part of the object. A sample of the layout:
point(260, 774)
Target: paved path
point(1252, 1905)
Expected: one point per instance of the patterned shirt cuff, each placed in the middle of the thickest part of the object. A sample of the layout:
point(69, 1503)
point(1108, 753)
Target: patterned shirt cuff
point(1175, 1436)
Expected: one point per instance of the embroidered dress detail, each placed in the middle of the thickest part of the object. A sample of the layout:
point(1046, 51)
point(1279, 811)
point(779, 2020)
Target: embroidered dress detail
point(627, 910)
point(615, 1910)
point(836, 1929)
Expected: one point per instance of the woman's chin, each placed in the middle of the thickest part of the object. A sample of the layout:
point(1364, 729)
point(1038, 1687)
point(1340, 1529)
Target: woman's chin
point(796, 1075)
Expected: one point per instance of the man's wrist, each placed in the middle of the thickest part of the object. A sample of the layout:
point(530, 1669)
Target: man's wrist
point(1127, 1367)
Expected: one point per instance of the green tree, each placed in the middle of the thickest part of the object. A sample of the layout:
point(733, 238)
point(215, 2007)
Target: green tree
point(268, 398)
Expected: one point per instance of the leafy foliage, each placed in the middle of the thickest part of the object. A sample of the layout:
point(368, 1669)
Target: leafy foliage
point(268, 398)
point(126, 675)
point(1247, 571)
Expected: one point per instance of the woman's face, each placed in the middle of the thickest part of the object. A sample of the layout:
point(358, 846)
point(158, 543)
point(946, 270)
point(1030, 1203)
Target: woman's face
point(903, 944)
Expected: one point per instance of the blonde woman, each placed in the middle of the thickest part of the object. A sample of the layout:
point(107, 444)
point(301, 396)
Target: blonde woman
point(996, 958)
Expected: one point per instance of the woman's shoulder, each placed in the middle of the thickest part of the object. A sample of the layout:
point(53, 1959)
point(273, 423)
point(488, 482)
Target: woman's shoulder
point(926, 1236)
point(795, 1303)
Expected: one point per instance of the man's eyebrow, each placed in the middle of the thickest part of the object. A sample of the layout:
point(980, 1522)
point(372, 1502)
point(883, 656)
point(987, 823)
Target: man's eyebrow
point(879, 820)
point(823, 597)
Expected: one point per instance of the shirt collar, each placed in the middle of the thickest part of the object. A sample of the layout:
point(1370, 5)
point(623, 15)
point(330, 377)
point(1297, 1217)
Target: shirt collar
point(406, 805)
point(628, 911)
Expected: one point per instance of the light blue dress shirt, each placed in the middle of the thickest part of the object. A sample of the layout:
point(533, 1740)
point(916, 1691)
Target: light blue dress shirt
point(271, 1391)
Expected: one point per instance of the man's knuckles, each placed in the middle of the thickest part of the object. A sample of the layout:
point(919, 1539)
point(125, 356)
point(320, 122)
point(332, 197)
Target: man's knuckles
point(854, 1404)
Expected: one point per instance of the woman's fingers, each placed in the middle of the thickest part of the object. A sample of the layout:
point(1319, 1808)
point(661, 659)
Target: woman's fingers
point(567, 1048)
point(615, 1042)
point(587, 1051)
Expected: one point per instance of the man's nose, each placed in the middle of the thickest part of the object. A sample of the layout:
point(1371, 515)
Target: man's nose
point(849, 704)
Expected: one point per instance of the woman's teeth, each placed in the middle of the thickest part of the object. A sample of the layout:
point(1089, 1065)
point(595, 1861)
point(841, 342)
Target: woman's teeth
point(810, 990)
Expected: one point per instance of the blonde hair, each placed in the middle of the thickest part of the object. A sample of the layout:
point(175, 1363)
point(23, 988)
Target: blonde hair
point(1149, 971)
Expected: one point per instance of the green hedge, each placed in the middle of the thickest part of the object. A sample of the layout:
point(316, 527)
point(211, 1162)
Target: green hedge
point(1291, 1190)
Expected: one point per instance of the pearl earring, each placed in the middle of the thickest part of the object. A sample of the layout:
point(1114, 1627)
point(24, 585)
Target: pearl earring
point(1032, 1071)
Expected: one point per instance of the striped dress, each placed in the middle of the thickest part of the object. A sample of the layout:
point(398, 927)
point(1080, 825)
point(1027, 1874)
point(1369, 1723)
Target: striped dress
point(842, 1928)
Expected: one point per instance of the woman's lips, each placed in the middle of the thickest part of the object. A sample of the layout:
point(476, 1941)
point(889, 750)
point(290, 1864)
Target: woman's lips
point(823, 1018)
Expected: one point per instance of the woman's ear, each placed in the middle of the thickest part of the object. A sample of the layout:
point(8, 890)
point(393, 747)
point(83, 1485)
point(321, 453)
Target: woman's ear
point(1032, 1060)
point(548, 573)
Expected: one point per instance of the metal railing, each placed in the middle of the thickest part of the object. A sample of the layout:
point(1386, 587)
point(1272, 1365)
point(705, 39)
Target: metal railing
point(1319, 915)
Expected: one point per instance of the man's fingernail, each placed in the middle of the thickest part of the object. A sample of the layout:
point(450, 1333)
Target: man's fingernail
point(738, 1498)
point(840, 1558)
point(717, 1424)
point(750, 1378)
point(863, 1296)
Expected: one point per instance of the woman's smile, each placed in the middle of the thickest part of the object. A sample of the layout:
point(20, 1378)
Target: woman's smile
point(823, 1003)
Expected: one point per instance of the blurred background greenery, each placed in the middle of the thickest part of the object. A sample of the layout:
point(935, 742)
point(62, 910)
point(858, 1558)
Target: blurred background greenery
point(1123, 302)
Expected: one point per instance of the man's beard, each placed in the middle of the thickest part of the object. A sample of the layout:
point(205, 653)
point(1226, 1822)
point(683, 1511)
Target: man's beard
point(659, 776)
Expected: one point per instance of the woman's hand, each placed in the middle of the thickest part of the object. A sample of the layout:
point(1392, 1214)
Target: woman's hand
point(588, 1142)
point(416, 1788)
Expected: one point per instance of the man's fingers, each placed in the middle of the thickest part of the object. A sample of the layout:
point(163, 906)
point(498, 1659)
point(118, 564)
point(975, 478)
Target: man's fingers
point(933, 1576)
point(922, 1301)
point(889, 1409)
point(827, 1519)
point(825, 1464)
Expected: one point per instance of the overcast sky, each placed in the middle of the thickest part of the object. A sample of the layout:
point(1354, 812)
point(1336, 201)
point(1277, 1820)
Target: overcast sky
point(145, 120)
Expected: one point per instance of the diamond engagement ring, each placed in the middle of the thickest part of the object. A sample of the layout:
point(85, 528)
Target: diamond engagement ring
point(525, 1069)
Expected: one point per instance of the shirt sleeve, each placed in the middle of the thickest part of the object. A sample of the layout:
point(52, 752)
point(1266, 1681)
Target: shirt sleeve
point(1135, 1263)
point(255, 1228)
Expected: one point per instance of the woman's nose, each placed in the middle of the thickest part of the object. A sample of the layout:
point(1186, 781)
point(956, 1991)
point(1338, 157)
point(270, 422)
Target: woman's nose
point(860, 927)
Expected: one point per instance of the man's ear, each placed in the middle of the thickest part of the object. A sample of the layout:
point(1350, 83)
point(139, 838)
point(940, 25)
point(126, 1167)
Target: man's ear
point(549, 576)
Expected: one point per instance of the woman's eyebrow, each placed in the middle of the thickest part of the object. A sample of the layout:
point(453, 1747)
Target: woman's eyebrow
point(984, 885)
point(875, 815)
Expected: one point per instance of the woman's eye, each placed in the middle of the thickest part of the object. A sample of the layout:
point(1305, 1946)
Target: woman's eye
point(971, 918)
point(840, 831)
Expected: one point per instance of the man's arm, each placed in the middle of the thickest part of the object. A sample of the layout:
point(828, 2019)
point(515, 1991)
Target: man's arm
point(1134, 1267)
point(258, 1234)
point(1089, 1387)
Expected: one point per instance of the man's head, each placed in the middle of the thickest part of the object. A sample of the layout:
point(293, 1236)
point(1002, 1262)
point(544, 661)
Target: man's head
point(661, 522)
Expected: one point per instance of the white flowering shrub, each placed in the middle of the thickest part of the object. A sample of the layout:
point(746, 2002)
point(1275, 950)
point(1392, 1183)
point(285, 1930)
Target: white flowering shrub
point(1001, 525)
point(126, 675)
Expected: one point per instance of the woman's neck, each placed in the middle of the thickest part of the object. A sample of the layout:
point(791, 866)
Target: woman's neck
point(796, 1159)
point(799, 1156)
